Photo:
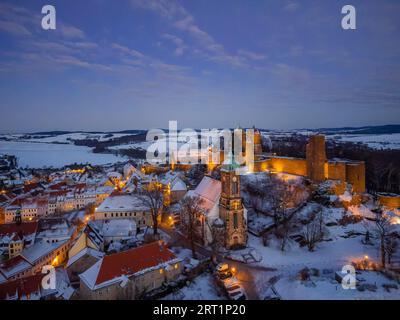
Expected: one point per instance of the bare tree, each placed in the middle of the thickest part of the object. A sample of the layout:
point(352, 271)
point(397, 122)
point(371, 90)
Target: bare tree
point(383, 230)
point(280, 197)
point(311, 235)
point(391, 246)
point(216, 241)
point(191, 208)
point(153, 199)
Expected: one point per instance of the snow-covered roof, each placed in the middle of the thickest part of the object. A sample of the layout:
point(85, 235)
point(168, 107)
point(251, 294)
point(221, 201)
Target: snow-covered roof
point(209, 190)
point(87, 251)
point(40, 249)
point(118, 227)
point(124, 203)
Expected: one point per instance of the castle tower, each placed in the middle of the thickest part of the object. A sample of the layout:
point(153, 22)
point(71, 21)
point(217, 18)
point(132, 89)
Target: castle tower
point(257, 144)
point(316, 158)
point(231, 209)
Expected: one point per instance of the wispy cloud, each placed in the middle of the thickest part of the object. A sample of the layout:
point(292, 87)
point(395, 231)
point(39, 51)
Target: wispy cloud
point(205, 45)
point(291, 6)
point(71, 32)
point(14, 28)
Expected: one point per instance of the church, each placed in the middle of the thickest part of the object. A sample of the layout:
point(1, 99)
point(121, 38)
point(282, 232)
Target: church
point(223, 214)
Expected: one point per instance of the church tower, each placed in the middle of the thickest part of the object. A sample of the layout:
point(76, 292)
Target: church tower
point(231, 210)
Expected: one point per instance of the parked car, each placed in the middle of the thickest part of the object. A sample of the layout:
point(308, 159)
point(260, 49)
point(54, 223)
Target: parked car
point(234, 289)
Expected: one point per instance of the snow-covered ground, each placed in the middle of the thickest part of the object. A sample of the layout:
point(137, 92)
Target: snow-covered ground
point(375, 141)
point(64, 138)
point(38, 155)
point(201, 288)
point(344, 245)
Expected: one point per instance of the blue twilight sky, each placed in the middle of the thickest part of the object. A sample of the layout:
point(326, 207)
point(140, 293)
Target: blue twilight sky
point(130, 64)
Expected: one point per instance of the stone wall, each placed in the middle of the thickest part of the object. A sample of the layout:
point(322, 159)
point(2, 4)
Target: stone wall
point(295, 166)
point(392, 201)
point(355, 175)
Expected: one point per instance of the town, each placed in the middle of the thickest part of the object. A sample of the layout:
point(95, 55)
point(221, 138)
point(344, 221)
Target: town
point(282, 228)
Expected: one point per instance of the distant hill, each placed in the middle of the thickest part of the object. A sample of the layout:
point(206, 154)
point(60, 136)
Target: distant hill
point(386, 129)
point(58, 133)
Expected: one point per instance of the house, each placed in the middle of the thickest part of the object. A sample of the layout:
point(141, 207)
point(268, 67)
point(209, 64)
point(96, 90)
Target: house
point(130, 274)
point(117, 230)
point(174, 188)
point(31, 260)
point(81, 262)
point(124, 206)
point(90, 237)
point(15, 237)
point(115, 177)
point(30, 288)
point(128, 170)
point(55, 229)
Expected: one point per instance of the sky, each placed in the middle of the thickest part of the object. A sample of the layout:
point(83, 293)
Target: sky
point(136, 64)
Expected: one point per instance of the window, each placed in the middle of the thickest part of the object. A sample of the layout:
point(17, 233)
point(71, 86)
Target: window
point(235, 188)
point(235, 220)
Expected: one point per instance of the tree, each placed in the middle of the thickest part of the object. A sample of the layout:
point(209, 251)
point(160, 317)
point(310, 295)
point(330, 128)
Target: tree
point(216, 242)
point(391, 246)
point(315, 229)
point(279, 197)
point(383, 230)
point(191, 208)
point(153, 199)
point(311, 235)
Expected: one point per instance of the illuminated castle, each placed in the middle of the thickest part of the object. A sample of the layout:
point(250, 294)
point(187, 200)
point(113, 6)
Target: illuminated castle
point(316, 166)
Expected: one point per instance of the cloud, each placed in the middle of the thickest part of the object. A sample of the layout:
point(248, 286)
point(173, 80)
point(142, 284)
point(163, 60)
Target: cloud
point(291, 6)
point(179, 43)
point(252, 55)
point(71, 32)
point(166, 8)
point(205, 45)
point(126, 50)
point(14, 28)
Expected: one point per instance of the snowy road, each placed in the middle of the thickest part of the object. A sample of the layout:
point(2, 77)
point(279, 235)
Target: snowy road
point(244, 271)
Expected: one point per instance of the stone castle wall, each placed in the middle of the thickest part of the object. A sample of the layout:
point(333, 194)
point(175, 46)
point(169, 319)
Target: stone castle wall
point(335, 170)
point(295, 166)
point(355, 175)
point(392, 201)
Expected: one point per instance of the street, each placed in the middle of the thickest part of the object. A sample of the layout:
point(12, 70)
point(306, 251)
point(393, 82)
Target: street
point(243, 271)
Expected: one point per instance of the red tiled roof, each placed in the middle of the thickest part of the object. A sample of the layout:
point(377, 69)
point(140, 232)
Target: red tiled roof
point(22, 229)
point(29, 187)
point(11, 263)
point(133, 260)
point(23, 286)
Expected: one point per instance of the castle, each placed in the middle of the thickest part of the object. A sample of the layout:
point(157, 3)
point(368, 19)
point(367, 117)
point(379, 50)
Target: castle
point(315, 166)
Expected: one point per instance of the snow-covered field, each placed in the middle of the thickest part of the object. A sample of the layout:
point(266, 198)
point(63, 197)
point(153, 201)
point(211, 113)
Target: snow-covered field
point(64, 138)
point(375, 141)
point(38, 155)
